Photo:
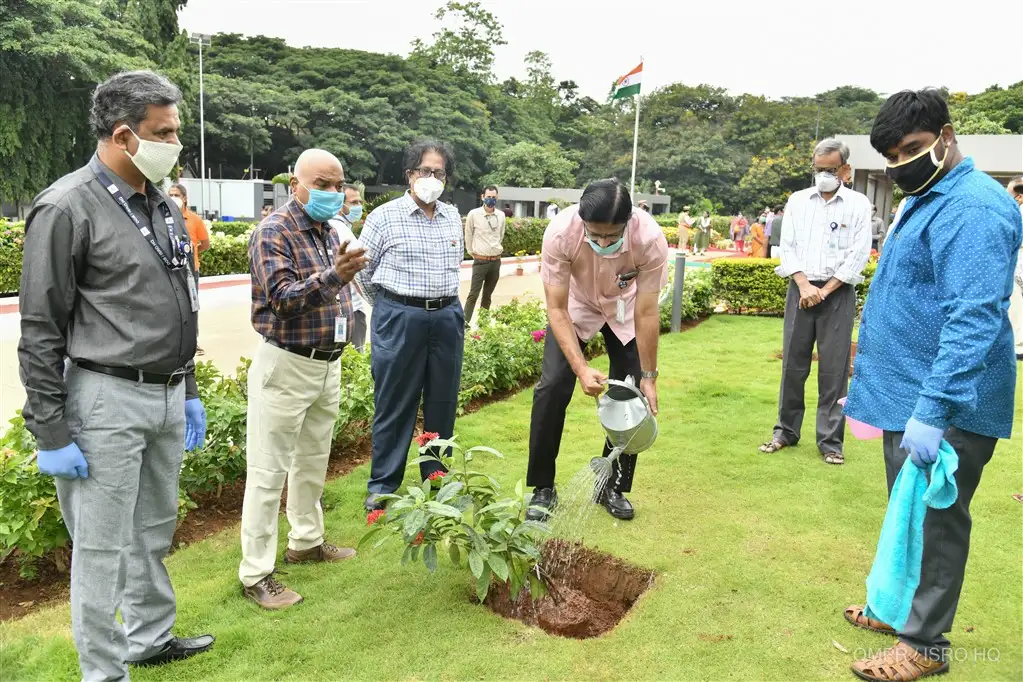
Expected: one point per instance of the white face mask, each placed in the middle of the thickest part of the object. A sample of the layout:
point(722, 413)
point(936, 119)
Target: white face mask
point(428, 189)
point(155, 160)
point(179, 202)
point(826, 182)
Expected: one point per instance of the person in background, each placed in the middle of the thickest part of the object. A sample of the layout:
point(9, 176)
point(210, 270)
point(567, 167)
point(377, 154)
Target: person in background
point(737, 232)
point(415, 245)
point(876, 230)
point(351, 213)
point(825, 244)
point(267, 210)
point(197, 233)
point(685, 225)
point(302, 308)
point(644, 205)
point(586, 250)
point(552, 211)
point(702, 234)
point(107, 285)
point(510, 213)
point(757, 240)
point(1016, 302)
point(934, 359)
point(774, 234)
point(484, 235)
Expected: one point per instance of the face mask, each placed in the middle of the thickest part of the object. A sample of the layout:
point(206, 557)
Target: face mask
point(916, 175)
point(179, 202)
point(155, 160)
point(428, 189)
point(354, 213)
point(323, 205)
point(825, 182)
point(606, 250)
point(490, 202)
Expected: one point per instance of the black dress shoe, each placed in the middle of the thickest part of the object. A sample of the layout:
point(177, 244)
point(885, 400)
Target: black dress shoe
point(177, 649)
point(547, 498)
point(373, 503)
point(616, 504)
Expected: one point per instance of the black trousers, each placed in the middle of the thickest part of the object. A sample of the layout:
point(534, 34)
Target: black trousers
point(485, 274)
point(946, 542)
point(550, 402)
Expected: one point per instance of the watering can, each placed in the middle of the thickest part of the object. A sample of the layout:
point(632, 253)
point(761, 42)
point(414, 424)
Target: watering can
point(627, 420)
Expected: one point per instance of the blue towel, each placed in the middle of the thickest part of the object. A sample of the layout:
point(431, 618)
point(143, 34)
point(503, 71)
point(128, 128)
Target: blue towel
point(895, 575)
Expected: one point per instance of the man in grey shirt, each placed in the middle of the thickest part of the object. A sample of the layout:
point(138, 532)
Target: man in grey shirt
point(106, 287)
point(774, 241)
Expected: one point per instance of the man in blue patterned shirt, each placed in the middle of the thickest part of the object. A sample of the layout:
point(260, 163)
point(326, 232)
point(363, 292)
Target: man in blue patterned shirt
point(414, 246)
point(935, 357)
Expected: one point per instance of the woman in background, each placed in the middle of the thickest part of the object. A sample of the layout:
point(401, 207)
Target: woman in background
point(758, 242)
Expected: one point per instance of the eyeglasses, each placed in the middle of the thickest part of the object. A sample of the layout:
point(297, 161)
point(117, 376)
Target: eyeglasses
point(594, 237)
point(438, 173)
point(833, 171)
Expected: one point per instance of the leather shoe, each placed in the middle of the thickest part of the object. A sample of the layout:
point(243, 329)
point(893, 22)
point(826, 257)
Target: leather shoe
point(373, 502)
point(547, 498)
point(177, 649)
point(616, 504)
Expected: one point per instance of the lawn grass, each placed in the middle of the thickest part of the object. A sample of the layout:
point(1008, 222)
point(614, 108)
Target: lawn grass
point(756, 556)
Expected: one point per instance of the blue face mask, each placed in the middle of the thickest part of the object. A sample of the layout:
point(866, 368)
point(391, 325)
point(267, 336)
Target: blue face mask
point(490, 202)
point(354, 213)
point(323, 205)
point(606, 250)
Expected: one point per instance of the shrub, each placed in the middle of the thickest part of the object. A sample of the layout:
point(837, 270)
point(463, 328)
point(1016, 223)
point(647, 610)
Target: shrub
point(231, 229)
point(697, 296)
point(227, 255)
point(524, 234)
point(751, 284)
point(12, 239)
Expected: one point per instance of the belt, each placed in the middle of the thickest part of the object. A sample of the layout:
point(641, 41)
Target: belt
point(424, 303)
point(487, 258)
point(172, 379)
point(306, 352)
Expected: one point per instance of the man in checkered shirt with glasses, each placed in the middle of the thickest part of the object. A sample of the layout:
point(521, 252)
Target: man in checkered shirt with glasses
point(414, 247)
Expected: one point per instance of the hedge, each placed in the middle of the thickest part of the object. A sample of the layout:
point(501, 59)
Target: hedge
point(751, 284)
point(501, 355)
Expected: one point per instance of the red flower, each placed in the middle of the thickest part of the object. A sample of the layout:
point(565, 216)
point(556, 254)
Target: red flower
point(538, 335)
point(476, 336)
point(426, 437)
point(419, 539)
point(374, 515)
point(436, 475)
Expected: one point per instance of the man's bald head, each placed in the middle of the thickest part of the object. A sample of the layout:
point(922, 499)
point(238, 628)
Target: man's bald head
point(316, 169)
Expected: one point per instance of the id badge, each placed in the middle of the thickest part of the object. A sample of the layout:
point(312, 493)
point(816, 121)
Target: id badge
point(193, 292)
point(340, 329)
point(620, 311)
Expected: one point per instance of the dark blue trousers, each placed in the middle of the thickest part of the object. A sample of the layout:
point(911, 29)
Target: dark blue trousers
point(414, 354)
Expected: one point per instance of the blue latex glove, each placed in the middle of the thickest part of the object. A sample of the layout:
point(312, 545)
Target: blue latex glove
point(195, 424)
point(67, 462)
point(922, 442)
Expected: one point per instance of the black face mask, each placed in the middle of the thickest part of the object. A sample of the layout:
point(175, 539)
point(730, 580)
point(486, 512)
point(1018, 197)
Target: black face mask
point(919, 174)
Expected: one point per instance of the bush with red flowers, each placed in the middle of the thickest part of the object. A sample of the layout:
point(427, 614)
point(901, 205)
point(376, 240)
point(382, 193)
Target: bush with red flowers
point(465, 518)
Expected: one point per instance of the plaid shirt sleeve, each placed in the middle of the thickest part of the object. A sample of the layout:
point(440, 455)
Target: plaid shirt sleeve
point(273, 265)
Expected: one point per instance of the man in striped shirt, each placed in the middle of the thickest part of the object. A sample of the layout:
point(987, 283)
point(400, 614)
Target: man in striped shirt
point(414, 246)
point(302, 308)
point(825, 244)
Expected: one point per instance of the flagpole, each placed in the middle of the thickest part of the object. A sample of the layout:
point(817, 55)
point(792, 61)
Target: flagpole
point(635, 143)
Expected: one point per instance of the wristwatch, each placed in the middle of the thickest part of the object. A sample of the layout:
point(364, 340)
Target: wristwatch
point(648, 375)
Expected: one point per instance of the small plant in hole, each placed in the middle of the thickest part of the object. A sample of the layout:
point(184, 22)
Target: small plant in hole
point(459, 512)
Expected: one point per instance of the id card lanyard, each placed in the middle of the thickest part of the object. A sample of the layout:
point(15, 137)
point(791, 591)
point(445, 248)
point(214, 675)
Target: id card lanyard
point(340, 321)
point(181, 247)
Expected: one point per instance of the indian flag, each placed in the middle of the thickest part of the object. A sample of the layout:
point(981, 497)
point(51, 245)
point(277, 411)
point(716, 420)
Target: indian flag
point(628, 85)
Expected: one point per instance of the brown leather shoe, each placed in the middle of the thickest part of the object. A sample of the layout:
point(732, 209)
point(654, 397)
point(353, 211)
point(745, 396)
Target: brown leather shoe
point(901, 663)
point(325, 552)
point(856, 616)
point(271, 594)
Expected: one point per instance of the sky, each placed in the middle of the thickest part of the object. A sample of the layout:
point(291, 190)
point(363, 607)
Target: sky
point(773, 47)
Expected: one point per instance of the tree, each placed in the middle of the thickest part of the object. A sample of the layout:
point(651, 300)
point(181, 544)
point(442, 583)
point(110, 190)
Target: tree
point(770, 180)
point(529, 165)
point(468, 47)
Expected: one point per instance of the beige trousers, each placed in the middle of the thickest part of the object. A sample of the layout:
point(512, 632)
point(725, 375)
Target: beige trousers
point(293, 404)
point(1016, 315)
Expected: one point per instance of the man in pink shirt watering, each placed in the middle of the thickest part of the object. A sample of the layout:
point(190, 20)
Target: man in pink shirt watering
point(604, 265)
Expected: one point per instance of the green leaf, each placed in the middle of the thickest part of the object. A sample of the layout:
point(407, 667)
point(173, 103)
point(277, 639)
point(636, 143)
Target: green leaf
point(483, 448)
point(430, 557)
point(407, 556)
point(499, 566)
point(500, 504)
point(443, 509)
point(424, 459)
point(416, 492)
point(373, 532)
point(520, 490)
point(483, 585)
point(475, 563)
point(449, 491)
point(414, 522)
point(455, 554)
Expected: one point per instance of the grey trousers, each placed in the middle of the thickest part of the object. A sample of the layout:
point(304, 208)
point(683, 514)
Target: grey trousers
point(946, 542)
point(830, 325)
point(485, 274)
point(122, 517)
